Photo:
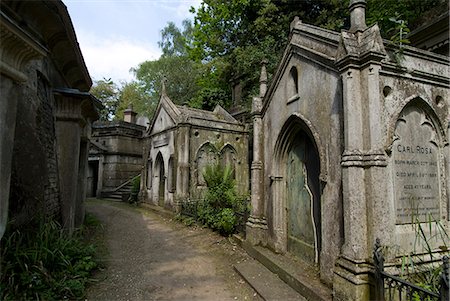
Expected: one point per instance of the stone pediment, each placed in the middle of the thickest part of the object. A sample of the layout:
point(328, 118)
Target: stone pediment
point(163, 120)
point(166, 115)
point(311, 43)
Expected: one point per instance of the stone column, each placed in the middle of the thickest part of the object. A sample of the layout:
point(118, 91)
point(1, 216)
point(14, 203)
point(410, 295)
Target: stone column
point(364, 160)
point(17, 49)
point(183, 167)
point(69, 125)
point(379, 214)
point(101, 161)
point(82, 177)
point(256, 229)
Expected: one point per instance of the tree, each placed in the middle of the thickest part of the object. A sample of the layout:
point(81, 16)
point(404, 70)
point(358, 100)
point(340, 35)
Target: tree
point(180, 73)
point(237, 34)
point(132, 93)
point(176, 42)
point(108, 93)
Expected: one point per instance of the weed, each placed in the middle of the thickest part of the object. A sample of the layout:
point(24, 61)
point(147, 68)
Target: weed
point(43, 262)
point(221, 202)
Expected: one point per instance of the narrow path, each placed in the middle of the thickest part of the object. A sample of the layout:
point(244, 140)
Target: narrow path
point(152, 258)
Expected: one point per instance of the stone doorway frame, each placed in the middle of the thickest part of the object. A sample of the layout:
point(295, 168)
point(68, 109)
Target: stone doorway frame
point(278, 186)
point(158, 176)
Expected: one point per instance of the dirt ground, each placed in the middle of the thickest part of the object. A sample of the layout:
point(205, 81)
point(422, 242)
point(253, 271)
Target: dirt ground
point(155, 258)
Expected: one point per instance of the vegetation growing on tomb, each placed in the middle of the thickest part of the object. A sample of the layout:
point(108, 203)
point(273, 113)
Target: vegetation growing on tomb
point(135, 187)
point(423, 265)
point(417, 269)
point(42, 262)
point(221, 202)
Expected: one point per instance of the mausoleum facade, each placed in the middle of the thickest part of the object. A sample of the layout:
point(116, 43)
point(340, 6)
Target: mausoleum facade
point(180, 143)
point(350, 145)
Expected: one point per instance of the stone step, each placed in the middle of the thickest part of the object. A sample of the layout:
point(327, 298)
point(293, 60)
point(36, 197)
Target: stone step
point(268, 286)
point(300, 277)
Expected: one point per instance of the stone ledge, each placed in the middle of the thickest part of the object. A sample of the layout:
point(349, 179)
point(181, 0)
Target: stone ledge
point(265, 283)
point(298, 276)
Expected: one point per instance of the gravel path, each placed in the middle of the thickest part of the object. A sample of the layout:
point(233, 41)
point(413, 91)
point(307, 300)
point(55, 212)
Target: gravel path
point(153, 258)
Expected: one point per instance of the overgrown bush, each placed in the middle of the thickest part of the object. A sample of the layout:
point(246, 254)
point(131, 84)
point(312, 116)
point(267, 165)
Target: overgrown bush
point(42, 262)
point(136, 186)
point(221, 202)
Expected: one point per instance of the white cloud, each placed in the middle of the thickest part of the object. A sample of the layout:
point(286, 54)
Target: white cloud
point(180, 8)
point(113, 56)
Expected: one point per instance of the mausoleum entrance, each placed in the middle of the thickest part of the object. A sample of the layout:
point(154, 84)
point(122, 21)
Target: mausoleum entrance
point(303, 199)
point(160, 179)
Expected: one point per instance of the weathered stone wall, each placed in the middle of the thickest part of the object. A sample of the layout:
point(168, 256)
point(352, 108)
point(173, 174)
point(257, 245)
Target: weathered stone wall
point(161, 147)
point(318, 112)
point(43, 160)
point(416, 140)
point(220, 140)
point(34, 185)
point(119, 168)
point(119, 145)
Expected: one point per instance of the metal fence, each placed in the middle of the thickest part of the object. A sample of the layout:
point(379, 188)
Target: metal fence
point(392, 288)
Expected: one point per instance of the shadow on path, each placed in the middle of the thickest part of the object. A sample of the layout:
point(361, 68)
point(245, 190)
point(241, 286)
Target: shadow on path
point(152, 258)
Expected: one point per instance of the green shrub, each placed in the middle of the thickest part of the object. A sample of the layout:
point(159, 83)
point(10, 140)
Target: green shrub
point(225, 221)
point(136, 186)
point(44, 263)
point(221, 201)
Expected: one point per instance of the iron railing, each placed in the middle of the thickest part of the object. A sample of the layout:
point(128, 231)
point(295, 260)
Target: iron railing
point(392, 288)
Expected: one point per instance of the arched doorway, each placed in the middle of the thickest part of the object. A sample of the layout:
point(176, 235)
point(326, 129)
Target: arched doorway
point(303, 198)
point(160, 179)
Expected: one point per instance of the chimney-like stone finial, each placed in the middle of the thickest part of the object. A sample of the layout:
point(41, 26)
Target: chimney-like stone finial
point(129, 115)
point(263, 79)
point(357, 15)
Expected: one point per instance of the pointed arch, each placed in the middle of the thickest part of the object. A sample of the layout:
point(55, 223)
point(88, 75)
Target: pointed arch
point(299, 167)
point(421, 103)
point(295, 123)
point(228, 156)
point(292, 83)
point(160, 180)
point(172, 175)
point(206, 155)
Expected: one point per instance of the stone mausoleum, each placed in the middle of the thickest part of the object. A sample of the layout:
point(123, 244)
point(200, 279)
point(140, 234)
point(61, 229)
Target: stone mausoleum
point(46, 113)
point(180, 143)
point(115, 156)
point(350, 145)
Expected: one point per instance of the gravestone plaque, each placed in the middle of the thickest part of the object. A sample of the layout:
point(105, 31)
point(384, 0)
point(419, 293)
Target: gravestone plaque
point(416, 169)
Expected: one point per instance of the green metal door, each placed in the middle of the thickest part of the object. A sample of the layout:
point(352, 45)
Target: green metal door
point(302, 199)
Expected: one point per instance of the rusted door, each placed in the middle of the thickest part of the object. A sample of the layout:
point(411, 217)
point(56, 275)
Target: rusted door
point(303, 199)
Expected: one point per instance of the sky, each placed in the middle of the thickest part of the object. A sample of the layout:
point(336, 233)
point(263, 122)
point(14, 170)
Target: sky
point(116, 35)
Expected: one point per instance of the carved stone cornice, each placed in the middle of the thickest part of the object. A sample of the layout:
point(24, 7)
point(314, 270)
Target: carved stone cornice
point(358, 158)
point(360, 48)
point(69, 105)
point(17, 48)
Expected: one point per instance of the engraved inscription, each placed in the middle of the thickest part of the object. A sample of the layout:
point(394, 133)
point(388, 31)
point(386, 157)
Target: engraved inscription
point(160, 141)
point(415, 165)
